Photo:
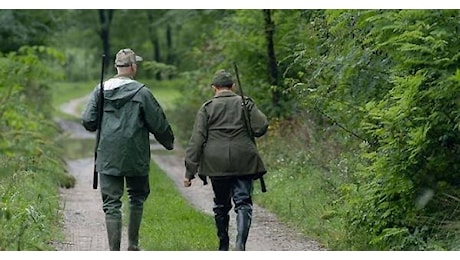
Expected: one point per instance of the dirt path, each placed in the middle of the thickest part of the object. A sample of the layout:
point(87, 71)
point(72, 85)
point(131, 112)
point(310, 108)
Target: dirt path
point(84, 220)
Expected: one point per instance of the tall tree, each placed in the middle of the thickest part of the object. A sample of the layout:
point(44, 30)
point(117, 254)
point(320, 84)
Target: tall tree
point(105, 19)
point(153, 37)
point(271, 59)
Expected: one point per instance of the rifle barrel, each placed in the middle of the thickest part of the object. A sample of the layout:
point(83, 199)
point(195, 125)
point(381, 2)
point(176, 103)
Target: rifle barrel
point(100, 111)
point(247, 121)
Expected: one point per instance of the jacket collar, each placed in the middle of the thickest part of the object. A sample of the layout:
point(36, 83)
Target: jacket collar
point(225, 94)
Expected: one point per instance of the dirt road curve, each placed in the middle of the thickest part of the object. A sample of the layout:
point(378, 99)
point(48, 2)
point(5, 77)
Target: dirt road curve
point(84, 219)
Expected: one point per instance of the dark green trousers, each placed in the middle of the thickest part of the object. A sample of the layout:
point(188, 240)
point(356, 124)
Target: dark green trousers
point(112, 189)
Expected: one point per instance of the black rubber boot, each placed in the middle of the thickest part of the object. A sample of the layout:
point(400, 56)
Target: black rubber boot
point(135, 218)
point(243, 224)
point(222, 231)
point(113, 226)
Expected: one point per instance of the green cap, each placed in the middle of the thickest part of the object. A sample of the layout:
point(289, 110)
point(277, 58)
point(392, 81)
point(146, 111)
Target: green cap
point(222, 78)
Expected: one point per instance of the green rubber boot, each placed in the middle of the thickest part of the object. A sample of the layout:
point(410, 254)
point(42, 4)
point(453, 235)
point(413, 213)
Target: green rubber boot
point(113, 226)
point(135, 218)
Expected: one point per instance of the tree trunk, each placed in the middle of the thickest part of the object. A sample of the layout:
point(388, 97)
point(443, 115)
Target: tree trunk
point(272, 64)
point(169, 44)
point(154, 40)
point(105, 19)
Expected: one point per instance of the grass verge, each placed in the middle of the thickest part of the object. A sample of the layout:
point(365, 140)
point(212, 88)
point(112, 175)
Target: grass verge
point(170, 223)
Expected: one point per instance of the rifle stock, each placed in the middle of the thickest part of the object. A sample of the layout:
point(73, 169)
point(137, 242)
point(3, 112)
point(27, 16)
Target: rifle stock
point(100, 111)
point(247, 121)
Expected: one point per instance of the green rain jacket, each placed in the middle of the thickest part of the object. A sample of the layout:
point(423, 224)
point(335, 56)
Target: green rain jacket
point(220, 144)
point(130, 113)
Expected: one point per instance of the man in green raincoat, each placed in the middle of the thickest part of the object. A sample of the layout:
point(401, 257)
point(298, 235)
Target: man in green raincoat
point(130, 113)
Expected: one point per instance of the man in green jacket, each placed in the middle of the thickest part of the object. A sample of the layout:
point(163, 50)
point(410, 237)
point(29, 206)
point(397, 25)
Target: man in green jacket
point(222, 149)
point(131, 112)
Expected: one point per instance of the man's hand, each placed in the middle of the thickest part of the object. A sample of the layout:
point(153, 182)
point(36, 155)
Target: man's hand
point(187, 182)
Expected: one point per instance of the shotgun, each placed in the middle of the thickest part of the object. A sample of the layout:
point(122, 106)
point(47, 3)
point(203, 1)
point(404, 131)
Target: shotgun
point(247, 121)
point(100, 111)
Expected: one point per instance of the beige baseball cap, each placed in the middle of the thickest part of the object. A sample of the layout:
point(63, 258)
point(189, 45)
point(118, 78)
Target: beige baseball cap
point(126, 57)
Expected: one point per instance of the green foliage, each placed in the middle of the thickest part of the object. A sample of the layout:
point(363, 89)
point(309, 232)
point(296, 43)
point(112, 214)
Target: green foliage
point(416, 135)
point(186, 106)
point(28, 207)
point(81, 64)
point(244, 41)
point(343, 71)
point(31, 167)
point(164, 71)
point(308, 176)
point(24, 105)
point(26, 27)
point(31, 172)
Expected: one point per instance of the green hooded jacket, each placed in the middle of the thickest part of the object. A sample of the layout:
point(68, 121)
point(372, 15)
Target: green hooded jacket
point(131, 112)
point(220, 144)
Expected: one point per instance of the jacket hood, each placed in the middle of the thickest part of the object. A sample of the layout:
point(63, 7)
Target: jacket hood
point(118, 91)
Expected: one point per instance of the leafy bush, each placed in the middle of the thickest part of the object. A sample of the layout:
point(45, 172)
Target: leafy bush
point(31, 167)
